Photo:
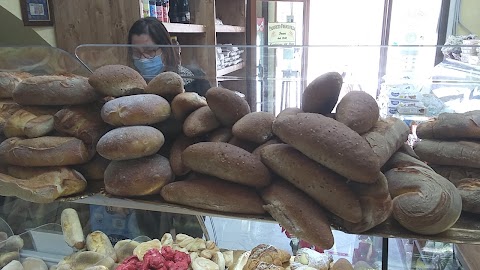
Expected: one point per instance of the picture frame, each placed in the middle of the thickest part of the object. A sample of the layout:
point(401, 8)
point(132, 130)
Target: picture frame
point(37, 12)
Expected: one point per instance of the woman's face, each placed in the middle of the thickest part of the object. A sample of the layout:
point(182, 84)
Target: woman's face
point(144, 52)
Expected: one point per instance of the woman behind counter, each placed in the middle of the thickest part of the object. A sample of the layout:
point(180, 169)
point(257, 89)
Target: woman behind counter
point(152, 61)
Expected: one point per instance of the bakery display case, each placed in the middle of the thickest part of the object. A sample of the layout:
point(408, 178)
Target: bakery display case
point(215, 177)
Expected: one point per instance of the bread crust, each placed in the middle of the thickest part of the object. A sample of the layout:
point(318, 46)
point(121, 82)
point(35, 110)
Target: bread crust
point(227, 105)
point(214, 194)
point(329, 143)
point(117, 81)
point(54, 90)
point(321, 95)
point(255, 127)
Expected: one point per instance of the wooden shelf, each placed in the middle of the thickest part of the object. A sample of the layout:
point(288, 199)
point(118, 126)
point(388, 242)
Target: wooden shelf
point(230, 69)
point(184, 28)
point(219, 28)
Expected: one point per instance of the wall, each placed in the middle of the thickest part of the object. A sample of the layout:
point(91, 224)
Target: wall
point(14, 33)
point(469, 15)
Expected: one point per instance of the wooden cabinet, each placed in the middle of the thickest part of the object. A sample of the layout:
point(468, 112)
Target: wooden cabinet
point(108, 22)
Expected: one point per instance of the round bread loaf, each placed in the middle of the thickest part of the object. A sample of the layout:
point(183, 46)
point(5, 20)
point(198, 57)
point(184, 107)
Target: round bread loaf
point(358, 110)
point(200, 122)
point(186, 103)
point(54, 90)
point(94, 169)
point(10, 80)
point(138, 177)
point(227, 162)
point(136, 110)
point(130, 142)
point(44, 151)
point(320, 183)
point(117, 81)
point(331, 144)
point(423, 201)
point(321, 95)
point(469, 189)
point(255, 127)
point(344, 264)
point(166, 84)
point(228, 106)
point(176, 151)
point(214, 194)
point(298, 214)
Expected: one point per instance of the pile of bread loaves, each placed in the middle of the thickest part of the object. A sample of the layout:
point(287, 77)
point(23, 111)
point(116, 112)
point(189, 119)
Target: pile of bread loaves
point(306, 167)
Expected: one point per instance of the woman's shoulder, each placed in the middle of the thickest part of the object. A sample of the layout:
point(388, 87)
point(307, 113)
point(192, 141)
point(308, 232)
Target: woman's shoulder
point(186, 74)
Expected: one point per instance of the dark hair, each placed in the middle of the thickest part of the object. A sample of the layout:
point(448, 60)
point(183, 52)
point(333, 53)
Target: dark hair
point(159, 34)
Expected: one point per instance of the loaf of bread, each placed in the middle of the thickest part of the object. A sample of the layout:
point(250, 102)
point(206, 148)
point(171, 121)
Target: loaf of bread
point(185, 103)
point(99, 242)
point(358, 110)
point(200, 122)
point(44, 151)
point(386, 137)
point(469, 189)
point(320, 183)
point(255, 127)
point(72, 228)
point(7, 109)
point(290, 111)
point(298, 214)
point(166, 84)
point(117, 80)
point(94, 169)
point(448, 126)
point(176, 162)
point(245, 145)
point(227, 162)
point(54, 90)
point(136, 110)
point(228, 106)
point(423, 201)
point(44, 187)
point(329, 143)
point(82, 122)
point(321, 95)
point(258, 150)
point(402, 160)
point(137, 177)
point(10, 80)
point(375, 202)
point(209, 193)
point(25, 124)
point(130, 142)
point(450, 153)
point(220, 135)
point(454, 173)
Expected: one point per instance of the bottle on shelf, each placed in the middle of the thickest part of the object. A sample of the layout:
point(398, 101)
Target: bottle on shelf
point(166, 8)
point(173, 11)
point(183, 11)
point(146, 8)
point(153, 8)
point(159, 6)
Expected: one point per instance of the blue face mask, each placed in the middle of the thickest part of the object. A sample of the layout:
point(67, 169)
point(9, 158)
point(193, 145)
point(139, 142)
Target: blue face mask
point(149, 67)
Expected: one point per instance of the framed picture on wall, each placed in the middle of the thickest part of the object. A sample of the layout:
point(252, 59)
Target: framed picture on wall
point(37, 12)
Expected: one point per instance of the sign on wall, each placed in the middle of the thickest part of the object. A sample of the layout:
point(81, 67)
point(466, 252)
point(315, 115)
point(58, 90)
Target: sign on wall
point(281, 33)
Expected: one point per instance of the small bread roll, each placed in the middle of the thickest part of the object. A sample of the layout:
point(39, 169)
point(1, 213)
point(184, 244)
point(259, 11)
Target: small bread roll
point(13, 243)
point(13, 265)
point(125, 248)
point(255, 127)
point(6, 258)
point(227, 162)
point(358, 110)
point(142, 248)
point(166, 84)
point(15, 124)
point(321, 95)
point(84, 259)
point(186, 103)
point(72, 228)
point(136, 110)
point(54, 90)
point(117, 81)
point(39, 126)
point(34, 264)
point(138, 177)
point(228, 106)
point(130, 143)
point(342, 264)
point(200, 122)
point(99, 242)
